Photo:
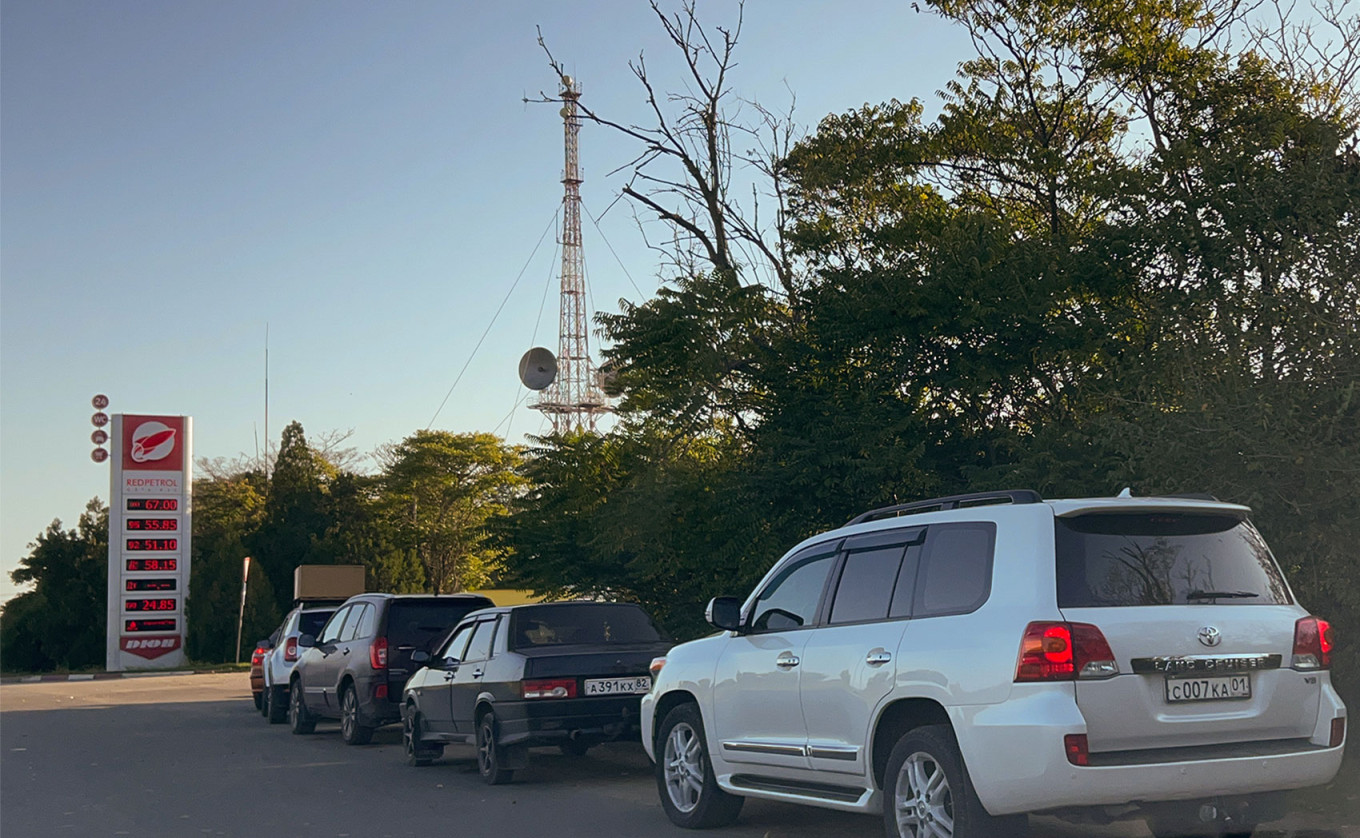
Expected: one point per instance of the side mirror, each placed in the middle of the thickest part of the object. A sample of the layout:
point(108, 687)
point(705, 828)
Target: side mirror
point(265, 644)
point(420, 656)
point(724, 612)
point(306, 641)
point(451, 663)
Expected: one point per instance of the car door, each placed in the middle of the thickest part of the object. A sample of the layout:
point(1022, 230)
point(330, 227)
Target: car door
point(435, 689)
point(319, 675)
point(757, 712)
point(342, 655)
point(849, 663)
point(467, 679)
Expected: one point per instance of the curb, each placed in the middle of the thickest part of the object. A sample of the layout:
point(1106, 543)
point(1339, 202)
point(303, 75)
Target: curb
point(108, 676)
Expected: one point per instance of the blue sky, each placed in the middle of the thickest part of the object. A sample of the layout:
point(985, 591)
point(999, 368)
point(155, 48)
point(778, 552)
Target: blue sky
point(363, 178)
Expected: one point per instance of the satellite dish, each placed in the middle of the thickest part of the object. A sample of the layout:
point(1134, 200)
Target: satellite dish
point(537, 368)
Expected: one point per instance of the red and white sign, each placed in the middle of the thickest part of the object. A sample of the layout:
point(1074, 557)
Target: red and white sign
point(153, 443)
point(149, 647)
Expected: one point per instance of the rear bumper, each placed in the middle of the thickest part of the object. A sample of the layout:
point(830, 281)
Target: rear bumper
point(550, 721)
point(1039, 777)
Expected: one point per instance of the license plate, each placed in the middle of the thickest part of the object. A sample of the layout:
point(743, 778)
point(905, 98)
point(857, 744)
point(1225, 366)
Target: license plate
point(618, 686)
point(1208, 689)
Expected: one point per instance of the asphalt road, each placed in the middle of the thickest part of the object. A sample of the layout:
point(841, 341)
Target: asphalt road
point(189, 756)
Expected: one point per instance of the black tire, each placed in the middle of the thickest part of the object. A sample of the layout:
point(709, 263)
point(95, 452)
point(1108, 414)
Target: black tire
point(574, 747)
point(489, 753)
point(352, 728)
point(276, 704)
point(300, 722)
point(684, 774)
point(259, 701)
point(927, 791)
point(418, 753)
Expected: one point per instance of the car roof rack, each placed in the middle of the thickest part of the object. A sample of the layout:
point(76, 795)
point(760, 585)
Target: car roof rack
point(950, 502)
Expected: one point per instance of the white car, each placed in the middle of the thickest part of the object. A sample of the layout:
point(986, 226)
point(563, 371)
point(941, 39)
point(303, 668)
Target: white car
point(279, 660)
point(959, 663)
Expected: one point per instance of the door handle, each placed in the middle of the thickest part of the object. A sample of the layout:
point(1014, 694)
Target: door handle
point(787, 660)
point(448, 676)
point(346, 650)
point(878, 657)
point(476, 673)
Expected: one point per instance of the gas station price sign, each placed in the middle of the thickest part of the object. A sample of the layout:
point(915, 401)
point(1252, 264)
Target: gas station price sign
point(150, 510)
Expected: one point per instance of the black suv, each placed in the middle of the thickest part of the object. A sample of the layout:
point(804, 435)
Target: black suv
point(356, 669)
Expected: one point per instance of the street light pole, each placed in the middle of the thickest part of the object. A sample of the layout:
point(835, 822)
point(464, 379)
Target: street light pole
point(241, 617)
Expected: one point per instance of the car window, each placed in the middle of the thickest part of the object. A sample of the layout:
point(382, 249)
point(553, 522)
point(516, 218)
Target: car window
point(956, 576)
point(457, 643)
point(331, 633)
point(790, 600)
point(419, 623)
point(866, 585)
point(366, 623)
point(311, 622)
point(479, 647)
point(585, 622)
point(1164, 559)
point(360, 623)
point(904, 590)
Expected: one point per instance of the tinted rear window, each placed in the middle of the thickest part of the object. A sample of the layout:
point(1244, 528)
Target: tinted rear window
point(310, 622)
point(417, 622)
point(1164, 559)
point(562, 625)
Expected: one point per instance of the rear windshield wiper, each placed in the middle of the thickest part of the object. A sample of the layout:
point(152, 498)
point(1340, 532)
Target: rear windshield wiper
point(1221, 595)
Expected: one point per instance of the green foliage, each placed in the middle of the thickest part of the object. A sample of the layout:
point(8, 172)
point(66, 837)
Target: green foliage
point(61, 622)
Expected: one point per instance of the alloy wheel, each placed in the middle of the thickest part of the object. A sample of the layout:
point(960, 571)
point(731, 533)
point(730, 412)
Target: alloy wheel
point(922, 799)
point(684, 767)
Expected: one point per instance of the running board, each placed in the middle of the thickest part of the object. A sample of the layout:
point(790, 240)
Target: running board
point(820, 791)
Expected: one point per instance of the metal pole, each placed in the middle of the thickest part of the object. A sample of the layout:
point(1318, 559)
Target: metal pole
point(241, 617)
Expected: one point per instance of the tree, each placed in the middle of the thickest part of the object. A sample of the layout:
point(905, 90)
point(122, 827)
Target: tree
point(441, 491)
point(61, 622)
point(295, 513)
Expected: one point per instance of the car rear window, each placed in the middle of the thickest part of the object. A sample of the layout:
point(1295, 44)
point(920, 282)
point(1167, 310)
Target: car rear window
point(1164, 559)
point(310, 622)
point(417, 622)
point(562, 625)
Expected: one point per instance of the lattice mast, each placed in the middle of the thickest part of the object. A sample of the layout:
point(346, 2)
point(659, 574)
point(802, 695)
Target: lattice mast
point(573, 401)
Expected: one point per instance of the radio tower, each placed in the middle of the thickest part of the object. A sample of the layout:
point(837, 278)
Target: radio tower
point(573, 401)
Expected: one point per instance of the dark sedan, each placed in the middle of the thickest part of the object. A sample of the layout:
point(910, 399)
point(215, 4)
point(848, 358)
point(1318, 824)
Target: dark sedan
point(566, 673)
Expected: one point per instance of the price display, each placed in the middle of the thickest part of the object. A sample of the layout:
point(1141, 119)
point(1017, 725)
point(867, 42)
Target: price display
point(160, 565)
point(156, 524)
point(153, 544)
point(161, 624)
point(153, 504)
point(149, 605)
point(150, 584)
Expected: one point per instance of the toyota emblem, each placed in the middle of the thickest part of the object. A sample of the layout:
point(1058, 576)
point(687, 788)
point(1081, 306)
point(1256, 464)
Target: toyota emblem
point(1209, 636)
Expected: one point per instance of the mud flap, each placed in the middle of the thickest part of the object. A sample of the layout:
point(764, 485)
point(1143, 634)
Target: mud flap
point(514, 757)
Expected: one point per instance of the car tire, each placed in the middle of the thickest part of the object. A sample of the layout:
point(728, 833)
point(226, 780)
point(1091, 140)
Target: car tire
point(352, 728)
point(276, 705)
point(927, 791)
point(574, 747)
point(300, 722)
point(418, 754)
point(490, 755)
point(685, 781)
point(259, 700)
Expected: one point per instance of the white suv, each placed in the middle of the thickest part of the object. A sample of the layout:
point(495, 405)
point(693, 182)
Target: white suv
point(960, 662)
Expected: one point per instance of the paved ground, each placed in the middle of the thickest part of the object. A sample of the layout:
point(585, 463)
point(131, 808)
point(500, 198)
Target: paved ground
point(189, 756)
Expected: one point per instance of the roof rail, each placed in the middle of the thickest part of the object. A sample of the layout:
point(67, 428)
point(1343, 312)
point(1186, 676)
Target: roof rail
point(1193, 496)
point(950, 502)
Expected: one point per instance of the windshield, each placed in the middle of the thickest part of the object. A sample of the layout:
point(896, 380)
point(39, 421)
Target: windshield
point(310, 622)
point(1164, 559)
point(587, 622)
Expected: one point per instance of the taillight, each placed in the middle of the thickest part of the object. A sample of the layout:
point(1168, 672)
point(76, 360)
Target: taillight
point(550, 688)
point(377, 653)
point(257, 657)
point(1064, 652)
point(1312, 644)
point(1078, 752)
point(290, 650)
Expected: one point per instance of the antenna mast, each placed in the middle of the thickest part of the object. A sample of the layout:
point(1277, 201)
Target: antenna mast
point(574, 401)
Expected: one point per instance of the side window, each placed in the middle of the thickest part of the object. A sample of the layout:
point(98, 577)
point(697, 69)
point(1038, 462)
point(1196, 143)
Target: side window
point(790, 600)
point(957, 573)
point(457, 643)
point(866, 587)
point(905, 589)
point(350, 631)
point(365, 627)
point(479, 647)
point(331, 632)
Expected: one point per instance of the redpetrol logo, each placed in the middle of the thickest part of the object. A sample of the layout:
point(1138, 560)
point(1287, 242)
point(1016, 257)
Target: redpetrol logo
point(149, 647)
point(152, 443)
